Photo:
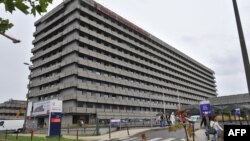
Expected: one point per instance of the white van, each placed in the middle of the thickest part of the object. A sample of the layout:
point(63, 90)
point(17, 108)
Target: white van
point(195, 118)
point(13, 125)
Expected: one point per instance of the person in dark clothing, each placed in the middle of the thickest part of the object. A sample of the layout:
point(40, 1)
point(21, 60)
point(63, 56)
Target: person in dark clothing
point(206, 121)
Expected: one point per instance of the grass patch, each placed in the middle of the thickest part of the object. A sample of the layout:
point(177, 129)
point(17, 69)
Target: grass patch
point(28, 138)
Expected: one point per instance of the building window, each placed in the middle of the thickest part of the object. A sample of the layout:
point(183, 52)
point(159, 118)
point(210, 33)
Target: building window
point(89, 105)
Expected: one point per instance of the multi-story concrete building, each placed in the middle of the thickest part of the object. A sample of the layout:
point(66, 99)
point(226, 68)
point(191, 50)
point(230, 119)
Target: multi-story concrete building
point(102, 65)
point(232, 101)
point(12, 109)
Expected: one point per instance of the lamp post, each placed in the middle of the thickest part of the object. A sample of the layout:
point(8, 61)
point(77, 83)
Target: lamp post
point(243, 45)
point(26, 112)
point(178, 99)
point(163, 100)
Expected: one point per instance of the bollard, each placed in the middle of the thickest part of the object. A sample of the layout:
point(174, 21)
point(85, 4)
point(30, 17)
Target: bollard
point(246, 119)
point(193, 131)
point(240, 120)
point(31, 134)
point(77, 134)
point(68, 129)
point(17, 135)
point(235, 119)
point(184, 125)
point(109, 130)
point(127, 130)
point(223, 120)
point(60, 135)
point(6, 132)
point(230, 118)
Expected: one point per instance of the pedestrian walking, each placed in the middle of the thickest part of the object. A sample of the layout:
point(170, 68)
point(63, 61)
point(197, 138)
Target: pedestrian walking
point(172, 118)
point(206, 121)
point(162, 120)
point(215, 124)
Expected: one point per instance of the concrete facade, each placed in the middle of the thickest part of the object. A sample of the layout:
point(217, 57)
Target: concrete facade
point(12, 110)
point(102, 65)
point(229, 100)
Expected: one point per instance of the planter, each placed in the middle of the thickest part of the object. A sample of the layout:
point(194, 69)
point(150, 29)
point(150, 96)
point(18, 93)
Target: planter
point(172, 128)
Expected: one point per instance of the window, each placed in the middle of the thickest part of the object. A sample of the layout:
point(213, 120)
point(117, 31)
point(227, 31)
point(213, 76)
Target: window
point(80, 104)
point(99, 106)
point(89, 105)
point(107, 106)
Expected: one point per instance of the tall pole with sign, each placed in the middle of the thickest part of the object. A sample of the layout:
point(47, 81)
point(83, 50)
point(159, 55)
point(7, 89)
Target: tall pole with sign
point(205, 107)
point(243, 45)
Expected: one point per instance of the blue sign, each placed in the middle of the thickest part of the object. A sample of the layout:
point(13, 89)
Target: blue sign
point(205, 108)
point(237, 111)
point(115, 122)
point(55, 123)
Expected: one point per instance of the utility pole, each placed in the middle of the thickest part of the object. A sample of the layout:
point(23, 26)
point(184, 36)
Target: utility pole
point(243, 45)
point(27, 97)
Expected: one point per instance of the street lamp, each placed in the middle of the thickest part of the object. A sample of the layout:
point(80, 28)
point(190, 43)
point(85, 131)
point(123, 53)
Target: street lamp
point(25, 117)
point(163, 100)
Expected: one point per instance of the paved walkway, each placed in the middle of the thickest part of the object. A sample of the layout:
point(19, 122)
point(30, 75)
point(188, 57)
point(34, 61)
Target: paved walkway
point(199, 135)
point(117, 134)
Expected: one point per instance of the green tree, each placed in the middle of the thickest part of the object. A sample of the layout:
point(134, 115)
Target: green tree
point(25, 6)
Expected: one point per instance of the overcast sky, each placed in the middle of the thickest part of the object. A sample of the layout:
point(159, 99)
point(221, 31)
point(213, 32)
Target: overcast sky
point(205, 30)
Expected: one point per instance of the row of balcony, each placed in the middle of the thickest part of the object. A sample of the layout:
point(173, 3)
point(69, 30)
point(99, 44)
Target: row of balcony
point(87, 31)
point(135, 42)
point(10, 111)
point(108, 112)
point(47, 60)
point(130, 74)
point(147, 41)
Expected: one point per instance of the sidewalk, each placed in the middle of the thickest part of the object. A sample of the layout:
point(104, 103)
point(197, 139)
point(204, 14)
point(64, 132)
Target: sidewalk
point(200, 135)
point(117, 134)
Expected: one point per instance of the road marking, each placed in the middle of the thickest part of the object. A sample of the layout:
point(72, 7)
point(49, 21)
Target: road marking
point(169, 139)
point(123, 138)
point(155, 139)
point(130, 139)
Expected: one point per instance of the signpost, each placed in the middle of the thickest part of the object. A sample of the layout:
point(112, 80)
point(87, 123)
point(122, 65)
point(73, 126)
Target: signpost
point(52, 108)
point(237, 111)
point(55, 118)
point(55, 124)
point(205, 107)
point(115, 122)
